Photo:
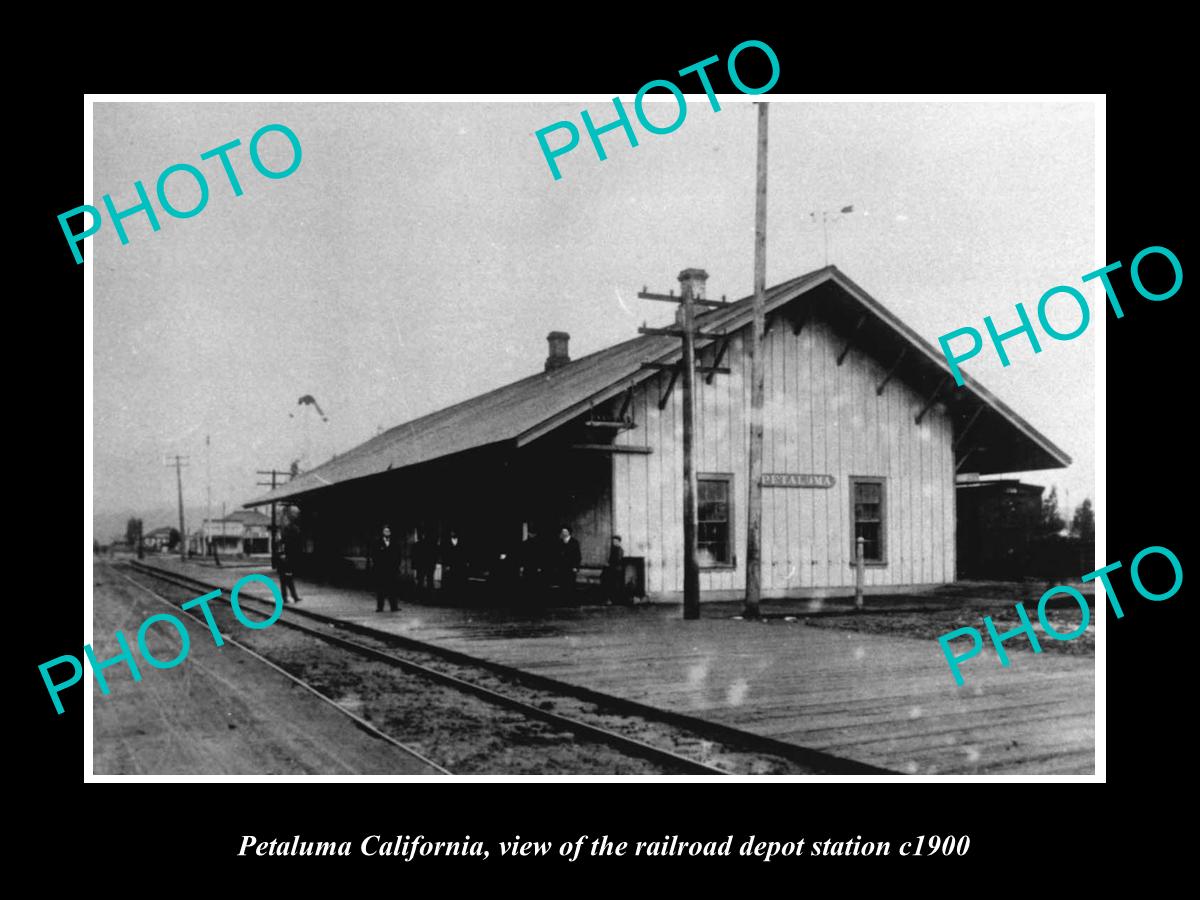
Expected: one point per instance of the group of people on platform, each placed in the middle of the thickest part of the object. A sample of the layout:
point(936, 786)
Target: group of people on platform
point(387, 555)
point(537, 569)
point(540, 569)
point(541, 565)
point(545, 566)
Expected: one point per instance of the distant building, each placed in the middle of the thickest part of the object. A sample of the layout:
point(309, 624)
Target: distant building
point(997, 522)
point(158, 539)
point(245, 531)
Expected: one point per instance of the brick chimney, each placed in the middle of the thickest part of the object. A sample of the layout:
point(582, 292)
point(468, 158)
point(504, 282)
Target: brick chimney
point(692, 280)
point(559, 356)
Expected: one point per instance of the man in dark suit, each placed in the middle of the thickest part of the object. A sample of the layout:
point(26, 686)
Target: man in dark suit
point(567, 560)
point(287, 554)
point(534, 566)
point(454, 567)
point(613, 579)
point(385, 568)
point(424, 560)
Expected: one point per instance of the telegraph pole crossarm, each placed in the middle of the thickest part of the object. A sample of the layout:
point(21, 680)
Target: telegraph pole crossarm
point(678, 332)
point(671, 298)
point(672, 367)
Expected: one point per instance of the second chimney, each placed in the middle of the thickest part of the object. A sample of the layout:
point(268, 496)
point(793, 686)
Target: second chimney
point(693, 280)
point(559, 356)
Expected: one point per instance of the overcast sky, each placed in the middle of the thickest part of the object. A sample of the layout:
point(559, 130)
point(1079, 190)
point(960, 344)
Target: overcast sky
point(421, 252)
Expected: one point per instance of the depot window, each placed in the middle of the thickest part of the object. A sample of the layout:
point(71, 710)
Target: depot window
point(869, 510)
point(714, 534)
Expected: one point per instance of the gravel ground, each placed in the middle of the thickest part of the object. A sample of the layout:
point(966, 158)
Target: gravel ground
point(464, 733)
point(656, 733)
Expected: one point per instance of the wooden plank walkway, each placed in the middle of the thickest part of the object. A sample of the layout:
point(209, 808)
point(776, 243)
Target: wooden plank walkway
point(886, 700)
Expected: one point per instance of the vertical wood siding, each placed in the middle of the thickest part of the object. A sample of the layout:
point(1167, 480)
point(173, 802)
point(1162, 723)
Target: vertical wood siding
point(819, 418)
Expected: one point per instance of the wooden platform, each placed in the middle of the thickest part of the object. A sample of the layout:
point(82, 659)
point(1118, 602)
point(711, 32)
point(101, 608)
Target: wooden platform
point(889, 701)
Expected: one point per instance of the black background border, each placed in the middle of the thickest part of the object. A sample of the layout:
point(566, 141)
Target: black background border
point(1013, 826)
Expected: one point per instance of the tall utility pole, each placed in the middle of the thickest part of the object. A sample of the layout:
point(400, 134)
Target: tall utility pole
point(689, 279)
point(691, 566)
point(274, 473)
point(179, 462)
point(757, 375)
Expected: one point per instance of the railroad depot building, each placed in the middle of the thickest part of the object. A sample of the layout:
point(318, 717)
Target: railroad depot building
point(864, 432)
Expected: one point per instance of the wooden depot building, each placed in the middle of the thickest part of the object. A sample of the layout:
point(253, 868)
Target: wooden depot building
point(864, 432)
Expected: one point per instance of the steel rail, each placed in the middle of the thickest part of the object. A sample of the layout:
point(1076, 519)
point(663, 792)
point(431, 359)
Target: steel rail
point(622, 742)
point(736, 738)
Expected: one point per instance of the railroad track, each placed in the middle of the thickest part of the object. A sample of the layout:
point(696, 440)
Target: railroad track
point(623, 743)
point(743, 741)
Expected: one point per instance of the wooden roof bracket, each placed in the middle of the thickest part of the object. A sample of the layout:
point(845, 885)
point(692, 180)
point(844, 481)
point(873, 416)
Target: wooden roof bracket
point(666, 394)
point(623, 415)
point(970, 423)
point(932, 397)
point(862, 320)
point(716, 363)
point(891, 372)
point(802, 319)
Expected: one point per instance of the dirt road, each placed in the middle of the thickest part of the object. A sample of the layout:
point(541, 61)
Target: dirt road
point(220, 712)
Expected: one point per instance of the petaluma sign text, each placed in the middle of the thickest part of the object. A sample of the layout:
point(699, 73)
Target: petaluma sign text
point(787, 479)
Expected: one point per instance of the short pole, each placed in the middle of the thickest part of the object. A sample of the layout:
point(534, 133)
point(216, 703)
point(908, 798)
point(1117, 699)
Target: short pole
point(858, 572)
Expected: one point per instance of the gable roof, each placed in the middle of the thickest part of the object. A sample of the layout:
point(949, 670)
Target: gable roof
point(524, 410)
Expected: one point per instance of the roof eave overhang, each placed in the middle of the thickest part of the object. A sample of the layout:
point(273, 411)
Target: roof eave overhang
point(308, 489)
point(1046, 455)
point(1040, 453)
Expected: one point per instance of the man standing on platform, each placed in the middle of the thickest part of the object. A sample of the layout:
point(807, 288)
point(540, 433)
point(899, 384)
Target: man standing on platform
point(567, 560)
point(385, 569)
point(613, 579)
point(424, 560)
point(454, 567)
point(287, 555)
point(531, 561)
